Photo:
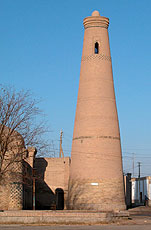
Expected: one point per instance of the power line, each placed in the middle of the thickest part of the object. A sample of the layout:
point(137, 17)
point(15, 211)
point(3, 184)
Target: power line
point(139, 149)
point(137, 153)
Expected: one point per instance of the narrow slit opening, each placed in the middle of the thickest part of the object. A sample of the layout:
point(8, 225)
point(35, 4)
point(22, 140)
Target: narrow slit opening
point(96, 48)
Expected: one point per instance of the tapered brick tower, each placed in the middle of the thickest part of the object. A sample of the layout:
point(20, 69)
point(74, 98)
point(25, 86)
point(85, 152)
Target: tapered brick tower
point(96, 175)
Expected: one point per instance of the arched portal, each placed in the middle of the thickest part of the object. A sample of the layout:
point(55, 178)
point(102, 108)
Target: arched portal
point(59, 199)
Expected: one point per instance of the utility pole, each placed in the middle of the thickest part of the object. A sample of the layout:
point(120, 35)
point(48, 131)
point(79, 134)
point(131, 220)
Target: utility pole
point(133, 163)
point(139, 175)
point(61, 154)
point(139, 169)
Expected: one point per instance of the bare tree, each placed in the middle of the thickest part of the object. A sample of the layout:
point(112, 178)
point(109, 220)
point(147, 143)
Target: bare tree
point(21, 126)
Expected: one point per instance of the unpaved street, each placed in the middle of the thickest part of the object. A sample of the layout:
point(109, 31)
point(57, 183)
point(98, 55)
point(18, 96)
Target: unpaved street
point(96, 227)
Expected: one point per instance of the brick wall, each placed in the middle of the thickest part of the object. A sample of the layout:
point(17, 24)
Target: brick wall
point(51, 173)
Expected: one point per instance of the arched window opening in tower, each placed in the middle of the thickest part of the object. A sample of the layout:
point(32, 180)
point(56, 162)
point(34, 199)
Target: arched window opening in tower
point(96, 48)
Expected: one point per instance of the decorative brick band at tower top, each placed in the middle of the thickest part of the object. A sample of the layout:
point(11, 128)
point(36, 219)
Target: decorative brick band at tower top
point(96, 175)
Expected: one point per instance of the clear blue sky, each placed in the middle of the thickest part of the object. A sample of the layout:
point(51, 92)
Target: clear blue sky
point(41, 47)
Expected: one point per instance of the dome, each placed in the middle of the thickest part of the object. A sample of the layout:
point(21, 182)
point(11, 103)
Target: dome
point(95, 13)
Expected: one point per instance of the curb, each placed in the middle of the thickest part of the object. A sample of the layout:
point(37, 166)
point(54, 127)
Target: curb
point(59, 217)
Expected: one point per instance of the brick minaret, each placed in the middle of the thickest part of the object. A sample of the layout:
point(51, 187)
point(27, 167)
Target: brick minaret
point(96, 175)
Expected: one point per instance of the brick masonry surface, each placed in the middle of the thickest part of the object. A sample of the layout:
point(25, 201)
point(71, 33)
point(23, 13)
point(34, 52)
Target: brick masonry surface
point(96, 174)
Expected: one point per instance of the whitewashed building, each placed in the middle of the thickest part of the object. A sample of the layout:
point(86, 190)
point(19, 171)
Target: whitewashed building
point(141, 190)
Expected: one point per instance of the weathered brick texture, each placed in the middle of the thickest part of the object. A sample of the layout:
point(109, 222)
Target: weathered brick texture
point(11, 189)
point(96, 174)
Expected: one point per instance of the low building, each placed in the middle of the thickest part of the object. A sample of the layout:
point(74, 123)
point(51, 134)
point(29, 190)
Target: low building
point(52, 176)
point(27, 182)
point(137, 191)
point(141, 191)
